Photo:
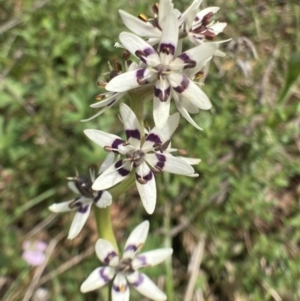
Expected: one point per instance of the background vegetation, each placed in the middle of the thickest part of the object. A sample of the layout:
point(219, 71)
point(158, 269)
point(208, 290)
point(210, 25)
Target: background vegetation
point(241, 216)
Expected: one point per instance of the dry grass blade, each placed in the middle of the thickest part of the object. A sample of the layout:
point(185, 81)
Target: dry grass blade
point(195, 265)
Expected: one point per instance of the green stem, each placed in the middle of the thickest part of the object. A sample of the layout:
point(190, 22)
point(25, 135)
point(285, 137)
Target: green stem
point(168, 244)
point(137, 101)
point(103, 218)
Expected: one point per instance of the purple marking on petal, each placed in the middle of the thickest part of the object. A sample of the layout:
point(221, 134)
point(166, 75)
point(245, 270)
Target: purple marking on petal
point(116, 144)
point(140, 77)
point(131, 248)
point(184, 57)
point(121, 288)
point(153, 138)
point(82, 209)
point(183, 85)
point(142, 54)
point(103, 276)
point(139, 281)
point(142, 259)
point(122, 171)
point(98, 196)
point(162, 95)
point(109, 256)
point(196, 19)
point(148, 51)
point(147, 177)
point(167, 48)
point(161, 160)
point(133, 134)
point(188, 63)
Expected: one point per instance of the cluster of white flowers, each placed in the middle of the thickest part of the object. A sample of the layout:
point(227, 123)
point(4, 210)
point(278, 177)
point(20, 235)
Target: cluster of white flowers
point(160, 65)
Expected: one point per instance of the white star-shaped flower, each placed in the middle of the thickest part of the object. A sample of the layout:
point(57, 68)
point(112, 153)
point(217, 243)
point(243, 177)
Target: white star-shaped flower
point(147, 157)
point(125, 269)
point(82, 185)
point(164, 69)
point(152, 29)
point(199, 26)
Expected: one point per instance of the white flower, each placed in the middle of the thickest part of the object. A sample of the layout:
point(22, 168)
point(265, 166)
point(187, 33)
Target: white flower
point(82, 186)
point(125, 269)
point(164, 69)
point(152, 30)
point(200, 28)
point(139, 154)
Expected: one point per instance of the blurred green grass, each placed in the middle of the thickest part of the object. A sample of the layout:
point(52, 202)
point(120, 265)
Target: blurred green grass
point(246, 199)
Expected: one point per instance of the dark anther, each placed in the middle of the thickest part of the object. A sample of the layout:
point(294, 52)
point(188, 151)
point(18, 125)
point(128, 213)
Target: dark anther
point(126, 55)
point(156, 169)
point(155, 8)
point(107, 148)
point(141, 180)
point(99, 97)
point(118, 67)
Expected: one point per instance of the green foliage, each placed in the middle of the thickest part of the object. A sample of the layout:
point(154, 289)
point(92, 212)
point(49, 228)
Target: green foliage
point(246, 199)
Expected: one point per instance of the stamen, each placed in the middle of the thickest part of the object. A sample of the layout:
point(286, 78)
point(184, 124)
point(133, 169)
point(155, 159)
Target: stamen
point(156, 169)
point(99, 97)
point(155, 8)
point(126, 55)
point(143, 17)
point(118, 67)
point(101, 84)
point(108, 148)
point(199, 75)
point(182, 152)
point(141, 180)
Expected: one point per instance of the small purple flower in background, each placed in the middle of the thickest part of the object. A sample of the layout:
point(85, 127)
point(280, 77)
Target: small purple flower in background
point(34, 252)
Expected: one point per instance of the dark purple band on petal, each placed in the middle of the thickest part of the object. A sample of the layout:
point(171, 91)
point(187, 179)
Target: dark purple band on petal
point(184, 57)
point(162, 95)
point(183, 85)
point(147, 177)
point(188, 63)
point(142, 259)
point(130, 248)
point(148, 51)
point(122, 171)
point(116, 144)
point(139, 281)
point(161, 160)
point(82, 209)
point(140, 77)
point(98, 196)
point(118, 289)
point(167, 48)
point(142, 54)
point(103, 276)
point(109, 257)
point(153, 138)
point(133, 134)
